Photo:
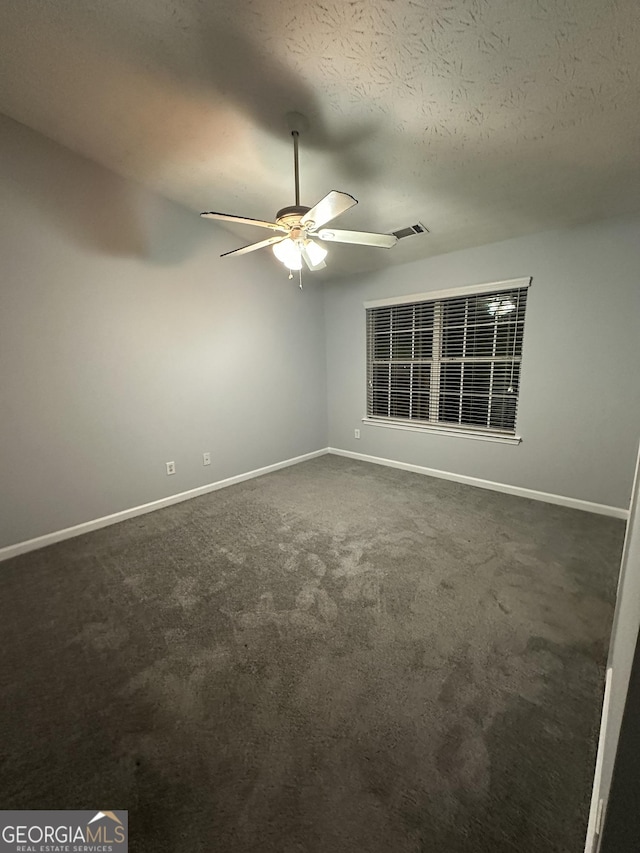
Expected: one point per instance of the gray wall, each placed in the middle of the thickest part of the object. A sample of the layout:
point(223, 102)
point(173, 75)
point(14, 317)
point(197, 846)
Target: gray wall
point(126, 342)
point(579, 412)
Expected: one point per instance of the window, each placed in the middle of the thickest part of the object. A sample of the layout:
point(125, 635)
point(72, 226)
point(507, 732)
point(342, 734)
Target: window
point(448, 361)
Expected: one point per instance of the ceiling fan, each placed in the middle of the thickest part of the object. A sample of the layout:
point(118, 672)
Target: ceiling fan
point(299, 227)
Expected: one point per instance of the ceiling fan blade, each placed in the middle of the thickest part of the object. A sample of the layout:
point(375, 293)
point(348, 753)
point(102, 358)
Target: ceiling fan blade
point(309, 262)
point(228, 217)
point(253, 246)
point(332, 205)
point(362, 238)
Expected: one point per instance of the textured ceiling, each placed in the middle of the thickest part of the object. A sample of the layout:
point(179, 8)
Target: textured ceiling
point(484, 119)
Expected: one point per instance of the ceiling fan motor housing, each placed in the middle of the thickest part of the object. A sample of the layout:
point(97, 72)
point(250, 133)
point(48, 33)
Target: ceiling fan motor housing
point(290, 217)
point(289, 214)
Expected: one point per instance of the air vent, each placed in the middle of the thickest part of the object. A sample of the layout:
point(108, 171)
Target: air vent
point(411, 230)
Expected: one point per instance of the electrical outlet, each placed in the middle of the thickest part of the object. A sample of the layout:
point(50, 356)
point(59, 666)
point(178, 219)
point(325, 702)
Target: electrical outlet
point(171, 467)
point(206, 459)
point(356, 433)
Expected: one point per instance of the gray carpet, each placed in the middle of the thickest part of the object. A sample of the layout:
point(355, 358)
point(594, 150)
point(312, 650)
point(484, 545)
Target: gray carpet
point(334, 657)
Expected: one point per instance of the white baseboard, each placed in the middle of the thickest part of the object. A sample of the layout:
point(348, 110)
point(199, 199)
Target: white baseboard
point(78, 529)
point(560, 500)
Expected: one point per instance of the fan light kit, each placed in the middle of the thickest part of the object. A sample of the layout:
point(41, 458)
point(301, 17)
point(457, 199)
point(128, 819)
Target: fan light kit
point(299, 227)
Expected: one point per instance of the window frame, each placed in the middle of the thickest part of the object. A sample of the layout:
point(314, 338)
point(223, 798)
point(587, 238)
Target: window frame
point(432, 426)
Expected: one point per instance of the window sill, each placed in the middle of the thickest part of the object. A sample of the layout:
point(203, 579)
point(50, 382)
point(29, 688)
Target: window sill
point(478, 435)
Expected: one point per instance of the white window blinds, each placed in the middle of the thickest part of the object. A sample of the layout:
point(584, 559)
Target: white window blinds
point(452, 362)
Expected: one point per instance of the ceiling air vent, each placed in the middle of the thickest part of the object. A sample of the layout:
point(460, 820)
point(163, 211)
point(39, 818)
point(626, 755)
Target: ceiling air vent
point(411, 230)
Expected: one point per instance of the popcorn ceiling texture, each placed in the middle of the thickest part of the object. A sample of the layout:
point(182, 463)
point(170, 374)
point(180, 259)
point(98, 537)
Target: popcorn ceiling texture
point(483, 118)
point(334, 657)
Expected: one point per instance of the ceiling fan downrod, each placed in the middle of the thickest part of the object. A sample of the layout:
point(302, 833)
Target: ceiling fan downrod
point(296, 168)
